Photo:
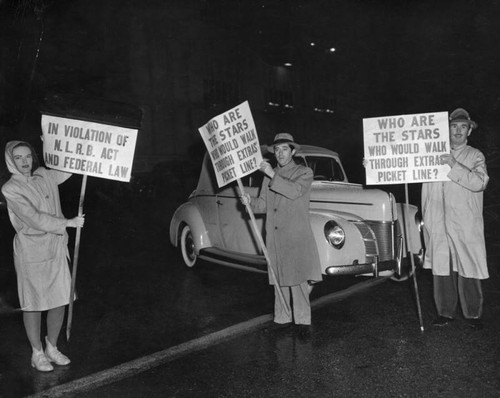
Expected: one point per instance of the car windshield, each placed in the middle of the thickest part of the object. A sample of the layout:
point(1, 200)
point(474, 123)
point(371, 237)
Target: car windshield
point(324, 168)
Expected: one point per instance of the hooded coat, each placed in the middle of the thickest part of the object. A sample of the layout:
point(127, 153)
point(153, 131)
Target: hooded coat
point(453, 217)
point(40, 243)
point(289, 238)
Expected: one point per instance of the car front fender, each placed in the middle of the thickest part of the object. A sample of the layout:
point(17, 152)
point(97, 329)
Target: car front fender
point(353, 249)
point(189, 214)
point(410, 222)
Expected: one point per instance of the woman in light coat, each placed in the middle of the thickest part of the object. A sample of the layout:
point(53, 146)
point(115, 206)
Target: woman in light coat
point(454, 228)
point(40, 248)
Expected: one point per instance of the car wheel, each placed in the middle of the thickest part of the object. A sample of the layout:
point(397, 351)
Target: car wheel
point(187, 247)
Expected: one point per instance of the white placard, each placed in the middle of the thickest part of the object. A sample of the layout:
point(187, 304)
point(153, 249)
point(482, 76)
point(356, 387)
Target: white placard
point(232, 143)
point(406, 148)
point(94, 149)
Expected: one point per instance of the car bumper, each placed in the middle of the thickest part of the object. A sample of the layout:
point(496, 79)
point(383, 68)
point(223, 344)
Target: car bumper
point(367, 268)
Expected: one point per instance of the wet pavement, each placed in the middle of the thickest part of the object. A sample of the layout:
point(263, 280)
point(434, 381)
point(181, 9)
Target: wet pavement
point(369, 345)
point(137, 300)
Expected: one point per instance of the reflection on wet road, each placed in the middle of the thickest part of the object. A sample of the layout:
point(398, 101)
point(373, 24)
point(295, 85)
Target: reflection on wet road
point(137, 299)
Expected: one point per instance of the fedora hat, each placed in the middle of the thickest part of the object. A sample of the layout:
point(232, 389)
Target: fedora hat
point(461, 115)
point(283, 138)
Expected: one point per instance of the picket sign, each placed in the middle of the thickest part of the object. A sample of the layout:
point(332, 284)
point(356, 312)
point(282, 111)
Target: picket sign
point(233, 146)
point(406, 149)
point(91, 149)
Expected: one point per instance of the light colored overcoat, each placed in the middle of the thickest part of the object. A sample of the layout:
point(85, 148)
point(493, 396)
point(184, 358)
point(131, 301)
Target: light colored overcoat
point(40, 243)
point(453, 217)
point(289, 238)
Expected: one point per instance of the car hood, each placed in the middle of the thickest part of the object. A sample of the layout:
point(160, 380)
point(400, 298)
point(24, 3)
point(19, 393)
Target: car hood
point(353, 198)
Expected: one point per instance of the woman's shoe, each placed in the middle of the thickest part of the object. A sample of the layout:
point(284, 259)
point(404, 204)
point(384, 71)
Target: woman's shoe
point(40, 361)
point(54, 355)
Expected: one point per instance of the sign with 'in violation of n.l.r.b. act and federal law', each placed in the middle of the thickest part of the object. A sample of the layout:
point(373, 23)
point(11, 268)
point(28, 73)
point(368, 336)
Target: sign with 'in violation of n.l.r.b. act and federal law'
point(89, 148)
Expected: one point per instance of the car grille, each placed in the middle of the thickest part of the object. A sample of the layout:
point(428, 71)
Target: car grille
point(379, 239)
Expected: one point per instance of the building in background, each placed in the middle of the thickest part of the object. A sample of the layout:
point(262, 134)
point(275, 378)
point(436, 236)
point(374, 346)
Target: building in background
point(170, 65)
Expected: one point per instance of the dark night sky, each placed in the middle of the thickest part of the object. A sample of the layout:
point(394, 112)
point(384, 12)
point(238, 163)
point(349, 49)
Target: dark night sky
point(392, 57)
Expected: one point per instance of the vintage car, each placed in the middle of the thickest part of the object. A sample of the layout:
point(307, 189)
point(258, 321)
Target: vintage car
point(358, 231)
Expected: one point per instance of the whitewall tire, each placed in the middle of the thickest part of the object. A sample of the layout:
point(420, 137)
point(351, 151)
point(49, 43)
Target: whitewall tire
point(187, 247)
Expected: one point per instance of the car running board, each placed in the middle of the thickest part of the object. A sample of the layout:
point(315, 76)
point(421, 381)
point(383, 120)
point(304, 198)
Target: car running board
point(247, 262)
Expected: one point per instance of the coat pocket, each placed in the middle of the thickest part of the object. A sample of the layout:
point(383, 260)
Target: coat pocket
point(37, 248)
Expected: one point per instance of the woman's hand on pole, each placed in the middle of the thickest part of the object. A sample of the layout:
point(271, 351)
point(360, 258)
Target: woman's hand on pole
point(76, 222)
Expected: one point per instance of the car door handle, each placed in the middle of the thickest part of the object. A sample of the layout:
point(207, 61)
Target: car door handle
point(219, 203)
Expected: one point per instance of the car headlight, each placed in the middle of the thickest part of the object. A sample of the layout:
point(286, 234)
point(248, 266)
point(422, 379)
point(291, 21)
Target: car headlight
point(334, 234)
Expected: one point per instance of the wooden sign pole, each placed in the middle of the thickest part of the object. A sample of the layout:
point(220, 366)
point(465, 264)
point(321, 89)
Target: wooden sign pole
point(264, 250)
point(75, 259)
point(417, 297)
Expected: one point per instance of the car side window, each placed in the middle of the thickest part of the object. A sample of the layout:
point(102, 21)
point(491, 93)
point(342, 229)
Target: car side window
point(299, 160)
point(246, 181)
point(338, 174)
point(253, 180)
point(256, 179)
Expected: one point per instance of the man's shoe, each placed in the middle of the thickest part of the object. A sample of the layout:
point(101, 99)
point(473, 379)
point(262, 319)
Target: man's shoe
point(54, 355)
point(475, 323)
point(40, 362)
point(442, 321)
point(279, 326)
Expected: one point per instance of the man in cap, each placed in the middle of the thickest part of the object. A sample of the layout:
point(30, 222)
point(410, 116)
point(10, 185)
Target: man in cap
point(284, 198)
point(454, 229)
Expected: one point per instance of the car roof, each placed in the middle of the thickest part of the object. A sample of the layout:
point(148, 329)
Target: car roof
point(315, 150)
point(307, 150)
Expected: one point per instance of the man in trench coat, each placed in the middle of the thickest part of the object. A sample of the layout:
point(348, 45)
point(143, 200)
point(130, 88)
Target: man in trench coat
point(454, 228)
point(284, 197)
